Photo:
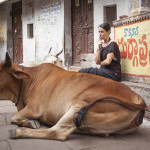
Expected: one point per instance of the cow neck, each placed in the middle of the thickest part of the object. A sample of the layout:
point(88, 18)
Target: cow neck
point(19, 92)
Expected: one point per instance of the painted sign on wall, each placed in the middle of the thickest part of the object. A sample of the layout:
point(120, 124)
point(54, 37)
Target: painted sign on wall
point(55, 12)
point(30, 11)
point(50, 13)
point(134, 44)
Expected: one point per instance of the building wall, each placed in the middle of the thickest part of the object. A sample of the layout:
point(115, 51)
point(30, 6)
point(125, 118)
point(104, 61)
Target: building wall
point(51, 28)
point(48, 22)
point(67, 33)
point(28, 17)
point(122, 9)
point(132, 35)
point(47, 17)
point(3, 31)
point(48, 26)
point(6, 21)
point(138, 6)
point(133, 40)
point(9, 28)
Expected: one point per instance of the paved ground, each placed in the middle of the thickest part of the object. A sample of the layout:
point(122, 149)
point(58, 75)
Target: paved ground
point(139, 140)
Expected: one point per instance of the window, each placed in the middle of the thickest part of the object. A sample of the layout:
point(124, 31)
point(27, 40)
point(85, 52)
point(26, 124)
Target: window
point(110, 14)
point(30, 31)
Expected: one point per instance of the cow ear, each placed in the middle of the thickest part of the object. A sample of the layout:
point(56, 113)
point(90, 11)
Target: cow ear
point(8, 61)
point(20, 75)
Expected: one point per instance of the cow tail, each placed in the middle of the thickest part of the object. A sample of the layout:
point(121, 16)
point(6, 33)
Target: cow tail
point(82, 114)
point(80, 117)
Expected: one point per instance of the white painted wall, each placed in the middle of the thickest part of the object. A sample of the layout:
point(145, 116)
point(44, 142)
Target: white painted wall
point(28, 17)
point(122, 9)
point(49, 32)
point(47, 17)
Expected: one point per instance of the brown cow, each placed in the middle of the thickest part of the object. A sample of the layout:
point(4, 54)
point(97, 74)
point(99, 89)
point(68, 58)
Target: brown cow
point(67, 101)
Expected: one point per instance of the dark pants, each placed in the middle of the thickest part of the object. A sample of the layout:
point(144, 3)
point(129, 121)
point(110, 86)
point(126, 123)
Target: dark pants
point(101, 72)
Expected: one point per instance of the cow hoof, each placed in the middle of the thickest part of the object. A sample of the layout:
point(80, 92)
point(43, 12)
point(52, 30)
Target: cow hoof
point(34, 124)
point(12, 133)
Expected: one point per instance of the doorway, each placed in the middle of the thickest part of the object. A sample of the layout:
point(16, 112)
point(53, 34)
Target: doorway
point(82, 29)
point(110, 14)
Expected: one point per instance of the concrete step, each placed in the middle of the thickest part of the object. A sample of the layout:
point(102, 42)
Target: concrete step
point(138, 86)
point(142, 89)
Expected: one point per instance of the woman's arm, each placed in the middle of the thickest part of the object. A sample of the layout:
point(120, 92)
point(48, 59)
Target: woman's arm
point(108, 60)
point(97, 58)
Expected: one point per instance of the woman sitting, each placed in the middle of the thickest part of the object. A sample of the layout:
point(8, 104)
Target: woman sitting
point(108, 56)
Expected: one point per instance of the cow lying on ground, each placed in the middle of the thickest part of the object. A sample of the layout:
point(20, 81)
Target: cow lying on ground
point(50, 58)
point(67, 101)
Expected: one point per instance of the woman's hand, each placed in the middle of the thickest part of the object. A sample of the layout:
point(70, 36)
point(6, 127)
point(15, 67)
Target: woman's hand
point(99, 44)
point(97, 58)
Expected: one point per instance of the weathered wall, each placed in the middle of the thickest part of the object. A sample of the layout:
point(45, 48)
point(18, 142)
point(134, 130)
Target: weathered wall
point(6, 43)
point(47, 17)
point(50, 27)
point(28, 17)
point(134, 43)
point(138, 6)
point(9, 28)
point(3, 31)
point(67, 32)
point(122, 9)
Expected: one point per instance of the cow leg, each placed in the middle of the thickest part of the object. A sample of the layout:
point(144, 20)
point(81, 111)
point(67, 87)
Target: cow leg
point(60, 131)
point(22, 117)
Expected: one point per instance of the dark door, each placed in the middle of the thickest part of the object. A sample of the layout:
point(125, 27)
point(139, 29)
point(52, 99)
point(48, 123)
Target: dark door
point(17, 32)
point(82, 28)
point(110, 14)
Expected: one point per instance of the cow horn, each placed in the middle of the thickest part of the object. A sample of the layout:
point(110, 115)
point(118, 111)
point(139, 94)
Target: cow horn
point(50, 50)
point(59, 53)
point(8, 61)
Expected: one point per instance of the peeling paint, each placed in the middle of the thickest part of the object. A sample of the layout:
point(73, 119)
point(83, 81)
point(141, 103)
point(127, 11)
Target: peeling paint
point(48, 22)
point(3, 33)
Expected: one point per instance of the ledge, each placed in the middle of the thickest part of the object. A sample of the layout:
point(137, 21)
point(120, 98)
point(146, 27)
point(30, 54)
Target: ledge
point(132, 19)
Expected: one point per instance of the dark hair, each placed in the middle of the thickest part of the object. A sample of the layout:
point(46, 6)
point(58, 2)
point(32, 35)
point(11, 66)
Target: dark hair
point(105, 26)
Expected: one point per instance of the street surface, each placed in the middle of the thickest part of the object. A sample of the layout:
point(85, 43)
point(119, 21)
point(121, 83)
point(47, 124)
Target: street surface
point(139, 140)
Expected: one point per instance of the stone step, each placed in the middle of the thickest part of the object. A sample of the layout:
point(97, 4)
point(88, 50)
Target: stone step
point(142, 89)
point(138, 86)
